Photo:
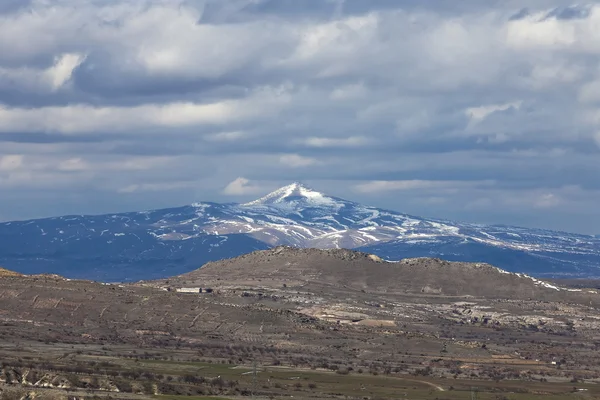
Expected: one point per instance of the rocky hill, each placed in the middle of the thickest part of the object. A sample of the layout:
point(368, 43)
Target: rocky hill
point(154, 244)
point(352, 270)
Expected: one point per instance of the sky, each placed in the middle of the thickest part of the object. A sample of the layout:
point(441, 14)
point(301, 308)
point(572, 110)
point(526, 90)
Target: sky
point(475, 110)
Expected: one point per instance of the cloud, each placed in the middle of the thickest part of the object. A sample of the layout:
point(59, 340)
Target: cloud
point(375, 187)
point(589, 92)
point(36, 80)
point(61, 72)
point(226, 136)
point(73, 164)
point(241, 187)
point(551, 30)
point(547, 200)
point(478, 114)
point(77, 119)
point(349, 92)
point(297, 161)
point(538, 199)
point(425, 107)
point(11, 162)
point(156, 187)
point(353, 141)
point(383, 186)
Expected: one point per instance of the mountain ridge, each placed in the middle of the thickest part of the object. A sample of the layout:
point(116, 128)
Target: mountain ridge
point(298, 183)
point(158, 243)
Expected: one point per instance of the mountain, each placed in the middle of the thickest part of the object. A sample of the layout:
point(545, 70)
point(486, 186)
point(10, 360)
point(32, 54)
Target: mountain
point(159, 243)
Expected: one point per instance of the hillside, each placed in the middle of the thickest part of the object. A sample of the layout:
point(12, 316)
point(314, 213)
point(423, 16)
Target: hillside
point(352, 270)
point(160, 243)
point(6, 272)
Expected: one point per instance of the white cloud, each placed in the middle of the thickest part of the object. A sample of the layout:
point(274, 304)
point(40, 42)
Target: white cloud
point(61, 72)
point(590, 92)
point(129, 164)
point(349, 92)
point(538, 199)
point(535, 32)
point(158, 37)
point(11, 162)
point(333, 44)
point(547, 200)
point(538, 31)
point(227, 136)
point(73, 164)
point(548, 74)
point(419, 185)
point(386, 186)
point(156, 187)
point(74, 119)
point(41, 80)
point(353, 141)
point(168, 39)
point(240, 187)
point(297, 161)
point(478, 114)
point(56, 163)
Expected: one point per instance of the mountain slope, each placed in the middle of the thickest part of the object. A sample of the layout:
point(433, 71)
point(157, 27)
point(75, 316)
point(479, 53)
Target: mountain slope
point(159, 243)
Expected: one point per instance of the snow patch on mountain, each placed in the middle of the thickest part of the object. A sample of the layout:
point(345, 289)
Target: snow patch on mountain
point(296, 196)
point(537, 281)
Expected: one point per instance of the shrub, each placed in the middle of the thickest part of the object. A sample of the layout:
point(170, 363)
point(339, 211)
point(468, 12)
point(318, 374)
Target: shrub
point(12, 394)
point(123, 385)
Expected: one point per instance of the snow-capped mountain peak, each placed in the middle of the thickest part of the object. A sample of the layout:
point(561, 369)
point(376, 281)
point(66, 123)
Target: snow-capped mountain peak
point(296, 195)
point(159, 243)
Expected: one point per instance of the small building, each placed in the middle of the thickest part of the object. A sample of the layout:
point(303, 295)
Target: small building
point(198, 290)
point(189, 290)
